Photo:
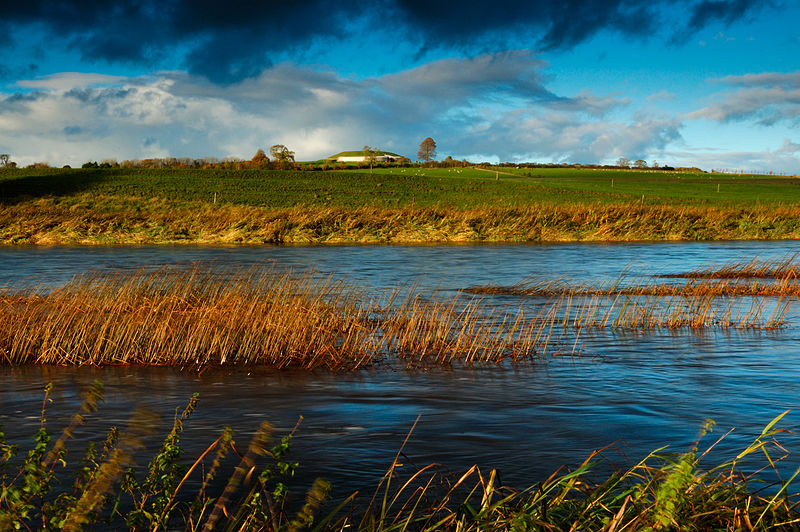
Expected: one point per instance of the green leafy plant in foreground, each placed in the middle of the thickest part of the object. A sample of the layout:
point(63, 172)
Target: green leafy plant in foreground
point(31, 497)
point(664, 491)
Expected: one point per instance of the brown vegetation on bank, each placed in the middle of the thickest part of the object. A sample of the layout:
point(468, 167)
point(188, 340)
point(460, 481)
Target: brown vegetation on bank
point(99, 220)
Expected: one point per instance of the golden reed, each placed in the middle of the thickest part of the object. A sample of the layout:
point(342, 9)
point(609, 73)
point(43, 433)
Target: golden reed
point(194, 317)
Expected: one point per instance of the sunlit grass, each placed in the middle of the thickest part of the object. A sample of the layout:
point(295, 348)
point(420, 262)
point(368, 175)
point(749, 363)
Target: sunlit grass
point(194, 318)
point(644, 303)
point(127, 206)
point(95, 221)
point(785, 270)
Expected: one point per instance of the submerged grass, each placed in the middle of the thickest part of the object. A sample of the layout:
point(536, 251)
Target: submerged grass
point(194, 317)
point(663, 491)
point(699, 311)
point(645, 304)
point(785, 269)
point(783, 287)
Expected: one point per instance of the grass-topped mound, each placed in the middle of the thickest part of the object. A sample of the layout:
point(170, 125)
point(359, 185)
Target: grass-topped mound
point(362, 153)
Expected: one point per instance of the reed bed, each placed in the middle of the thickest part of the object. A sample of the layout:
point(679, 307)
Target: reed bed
point(695, 287)
point(193, 318)
point(644, 304)
point(663, 491)
point(785, 268)
point(658, 312)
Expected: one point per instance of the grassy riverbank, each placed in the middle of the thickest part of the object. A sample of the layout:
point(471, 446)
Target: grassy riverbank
point(250, 488)
point(127, 206)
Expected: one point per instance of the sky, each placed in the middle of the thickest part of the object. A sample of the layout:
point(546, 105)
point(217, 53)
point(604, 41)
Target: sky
point(707, 83)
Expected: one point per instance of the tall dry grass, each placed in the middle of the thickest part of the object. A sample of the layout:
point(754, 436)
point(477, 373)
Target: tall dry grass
point(785, 269)
point(694, 287)
point(702, 311)
point(194, 318)
point(91, 219)
point(645, 304)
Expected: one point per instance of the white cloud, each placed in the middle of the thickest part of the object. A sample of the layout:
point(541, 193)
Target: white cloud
point(494, 105)
point(662, 96)
point(69, 80)
point(784, 159)
point(767, 98)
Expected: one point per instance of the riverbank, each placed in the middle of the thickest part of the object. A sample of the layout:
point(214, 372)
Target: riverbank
point(393, 205)
point(46, 221)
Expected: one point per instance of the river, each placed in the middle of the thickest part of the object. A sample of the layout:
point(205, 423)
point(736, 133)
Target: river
point(635, 390)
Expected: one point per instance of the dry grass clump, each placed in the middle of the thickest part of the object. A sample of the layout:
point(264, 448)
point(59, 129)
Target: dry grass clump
point(695, 287)
point(647, 304)
point(785, 269)
point(194, 318)
point(655, 312)
point(189, 317)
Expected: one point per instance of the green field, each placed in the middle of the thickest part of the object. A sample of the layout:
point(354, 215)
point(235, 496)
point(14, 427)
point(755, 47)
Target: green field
point(391, 205)
point(609, 185)
point(391, 187)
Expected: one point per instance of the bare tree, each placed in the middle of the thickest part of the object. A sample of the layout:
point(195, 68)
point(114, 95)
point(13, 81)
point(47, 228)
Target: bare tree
point(427, 150)
point(624, 162)
point(4, 159)
point(369, 156)
point(640, 163)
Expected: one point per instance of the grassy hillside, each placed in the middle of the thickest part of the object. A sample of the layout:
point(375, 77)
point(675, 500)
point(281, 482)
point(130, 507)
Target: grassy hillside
point(359, 153)
point(391, 205)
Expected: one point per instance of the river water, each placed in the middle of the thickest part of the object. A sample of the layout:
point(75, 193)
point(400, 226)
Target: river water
point(635, 390)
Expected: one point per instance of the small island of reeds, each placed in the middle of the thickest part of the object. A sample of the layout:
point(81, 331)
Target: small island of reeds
point(196, 316)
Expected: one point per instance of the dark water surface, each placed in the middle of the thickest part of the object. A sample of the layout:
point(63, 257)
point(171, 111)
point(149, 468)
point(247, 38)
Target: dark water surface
point(638, 390)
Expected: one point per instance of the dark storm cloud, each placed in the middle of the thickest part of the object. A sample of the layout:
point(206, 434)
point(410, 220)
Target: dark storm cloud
point(232, 40)
point(546, 23)
point(726, 11)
